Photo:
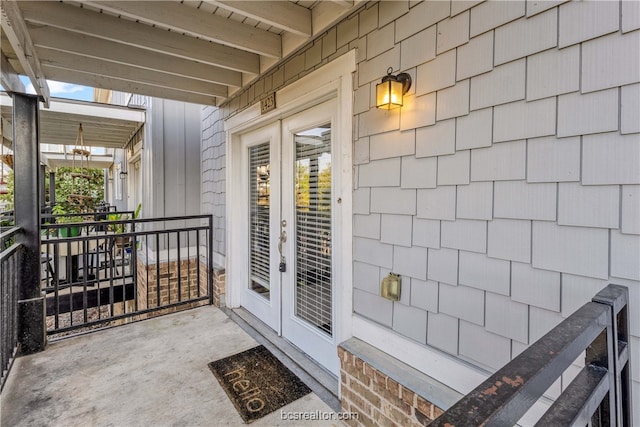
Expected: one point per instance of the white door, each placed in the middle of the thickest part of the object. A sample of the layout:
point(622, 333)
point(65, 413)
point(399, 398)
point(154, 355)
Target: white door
point(289, 205)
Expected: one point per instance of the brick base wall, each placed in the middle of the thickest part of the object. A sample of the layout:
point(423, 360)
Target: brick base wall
point(377, 398)
point(219, 286)
point(170, 284)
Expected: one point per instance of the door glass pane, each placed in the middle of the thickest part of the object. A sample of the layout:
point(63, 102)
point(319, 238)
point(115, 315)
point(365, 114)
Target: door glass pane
point(313, 227)
point(259, 199)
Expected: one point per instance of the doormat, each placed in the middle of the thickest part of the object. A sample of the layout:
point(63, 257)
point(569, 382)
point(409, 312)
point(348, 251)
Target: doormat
point(257, 382)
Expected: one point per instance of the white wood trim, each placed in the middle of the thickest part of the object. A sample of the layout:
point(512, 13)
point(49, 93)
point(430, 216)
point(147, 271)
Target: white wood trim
point(453, 372)
point(333, 80)
point(10, 80)
point(193, 21)
point(88, 22)
point(284, 15)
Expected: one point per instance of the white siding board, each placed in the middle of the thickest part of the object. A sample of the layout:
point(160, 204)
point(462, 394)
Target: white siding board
point(610, 61)
point(580, 21)
point(462, 302)
point(482, 272)
point(509, 239)
point(419, 173)
point(367, 226)
point(437, 74)
point(437, 203)
point(505, 161)
point(532, 286)
point(410, 262)
point(418, 111)
point(462, 5)
point(361, 151)
point(630, 218)
point(390, 11)
point(630, 17)
point(506, 83)
point(373, 252)
point(373, 307)
point(443, 266)
point(491, 350)
point(396, 229)
point(536, 6)
point(575, 250)
point(475, 130)
point(361, 201)
point(366, 277)
point(375, 68)
point(526, 36)
point(418, 49)
point(424, 295)
point(442, 332)
point(589, 206)
point(625, 255)
point(410, 322)
point(421, 16)
point(392, 144)
point(393, 201)
point(630, 109)
point(436, 140)
point(426, 233)
point(541, 321)
point(519, 200)
point(522, 119)
point(611, 158)
point(452, 32)
point(492, 14)
point(554, 72)
point(590, 113)
point(453, 101)
point(380, 41)
point(465, 234)
point(577, 291)
point(475, 57)
point(380, 173)
point(454, 168)
point(506, 318)
point(553, 160)
point(475, 201)
point(377, 120)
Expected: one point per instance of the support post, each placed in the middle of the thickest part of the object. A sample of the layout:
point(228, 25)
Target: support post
point(31, 302)
point(52, 188)
point(43, 191)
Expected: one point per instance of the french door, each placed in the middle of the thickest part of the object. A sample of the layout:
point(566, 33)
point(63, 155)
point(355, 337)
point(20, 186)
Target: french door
point(289, 205)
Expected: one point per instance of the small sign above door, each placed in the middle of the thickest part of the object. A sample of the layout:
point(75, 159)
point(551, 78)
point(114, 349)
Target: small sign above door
point(267, 104)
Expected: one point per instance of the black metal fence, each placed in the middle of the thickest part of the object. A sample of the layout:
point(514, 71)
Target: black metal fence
point(119, 270)
point(10, 259)
point(600, 395)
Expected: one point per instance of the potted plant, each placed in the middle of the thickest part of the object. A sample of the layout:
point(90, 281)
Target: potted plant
point(72, 231)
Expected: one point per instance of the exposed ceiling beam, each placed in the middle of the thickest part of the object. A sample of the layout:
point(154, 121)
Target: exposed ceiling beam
point(281, 14)
point(80, 44)
point(114, 83)
point(16, 31)
point(198, 23)
point(10, 80)
point(131, 33)
point(52, 58)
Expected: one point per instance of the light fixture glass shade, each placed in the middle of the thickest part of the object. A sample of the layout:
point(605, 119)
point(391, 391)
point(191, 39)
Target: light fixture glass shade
point(389, 94)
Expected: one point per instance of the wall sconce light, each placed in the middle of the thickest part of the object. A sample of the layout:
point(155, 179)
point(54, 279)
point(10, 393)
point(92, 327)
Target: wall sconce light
point(390, 90)
point(123, 175)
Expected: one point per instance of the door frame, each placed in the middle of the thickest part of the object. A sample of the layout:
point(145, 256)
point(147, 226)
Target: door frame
point(332, 81)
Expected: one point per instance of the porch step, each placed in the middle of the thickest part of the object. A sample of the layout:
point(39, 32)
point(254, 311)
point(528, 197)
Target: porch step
point(323, 383)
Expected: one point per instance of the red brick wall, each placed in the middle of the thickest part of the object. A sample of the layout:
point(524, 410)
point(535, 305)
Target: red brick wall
point(378, 399)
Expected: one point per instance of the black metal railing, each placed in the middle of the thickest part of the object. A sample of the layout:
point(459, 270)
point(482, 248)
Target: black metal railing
point(124, 269)
point(10, 260)
point(600, 395)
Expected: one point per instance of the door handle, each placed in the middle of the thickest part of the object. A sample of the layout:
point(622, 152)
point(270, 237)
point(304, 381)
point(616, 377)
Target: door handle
point(281, 240)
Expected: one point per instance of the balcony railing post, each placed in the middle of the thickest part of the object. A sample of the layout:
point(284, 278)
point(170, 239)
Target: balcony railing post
point(210, 260)
point(31, 308)
point(617, 297)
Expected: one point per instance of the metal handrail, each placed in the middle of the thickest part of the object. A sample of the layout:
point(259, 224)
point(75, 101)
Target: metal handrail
point(599, 328)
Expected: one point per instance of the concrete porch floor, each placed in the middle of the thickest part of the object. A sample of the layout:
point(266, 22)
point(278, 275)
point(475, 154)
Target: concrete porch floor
point(149, 373)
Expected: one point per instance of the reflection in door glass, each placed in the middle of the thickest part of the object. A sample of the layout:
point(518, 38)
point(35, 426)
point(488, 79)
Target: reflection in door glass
point(313, 299)
point(259, 195)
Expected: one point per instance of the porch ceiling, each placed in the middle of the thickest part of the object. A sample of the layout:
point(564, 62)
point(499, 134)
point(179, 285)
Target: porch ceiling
point(192, 51)
point(103, 125)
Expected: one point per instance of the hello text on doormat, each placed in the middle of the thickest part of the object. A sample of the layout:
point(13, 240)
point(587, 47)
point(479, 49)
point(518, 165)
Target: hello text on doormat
point(257, 382)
